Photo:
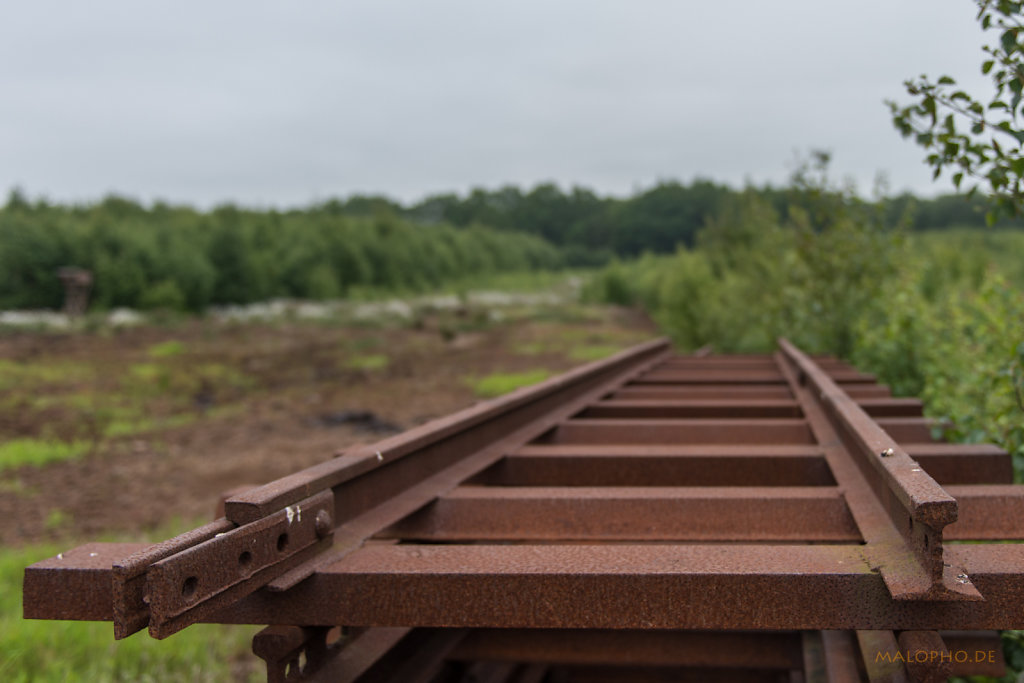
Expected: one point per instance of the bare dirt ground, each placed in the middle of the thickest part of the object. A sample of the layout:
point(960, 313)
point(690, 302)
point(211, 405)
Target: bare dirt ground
point(253, 402)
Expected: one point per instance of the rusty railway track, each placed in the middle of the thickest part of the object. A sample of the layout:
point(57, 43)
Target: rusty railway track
point(645, 517)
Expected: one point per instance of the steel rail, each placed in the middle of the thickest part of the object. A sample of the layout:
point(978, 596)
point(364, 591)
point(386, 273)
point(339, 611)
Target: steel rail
point(639, 505)
point(899, 508)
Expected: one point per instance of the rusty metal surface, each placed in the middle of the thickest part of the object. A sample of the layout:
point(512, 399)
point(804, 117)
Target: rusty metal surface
point(975, 653)
point(651, 408)
point(711, 465)
point(841, 661)
point(771, 650)
point(634, 586)
point(131, 610)
point(650, 513)
point(666, 431)
point(961, 463)
point(988, 512)
point(198, 581)
point(900, 509)
point(646, 507)
point(928, 660)
point(75, 584)
point(883, 662)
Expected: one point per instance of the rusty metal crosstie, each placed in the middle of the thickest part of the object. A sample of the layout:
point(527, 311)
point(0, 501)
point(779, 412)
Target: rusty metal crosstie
point(645, 517)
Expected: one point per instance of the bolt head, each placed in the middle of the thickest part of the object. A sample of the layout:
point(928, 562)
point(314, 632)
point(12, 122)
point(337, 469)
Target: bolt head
point(324, 524)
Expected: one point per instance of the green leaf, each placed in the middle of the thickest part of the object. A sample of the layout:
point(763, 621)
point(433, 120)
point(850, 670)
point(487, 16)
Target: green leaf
point(1017, 166)
point(946, 80)
point(990, 218)
point(929, 106)
point(1009, 40)
point(957, 178)
point(987, 66)
point(978, 128)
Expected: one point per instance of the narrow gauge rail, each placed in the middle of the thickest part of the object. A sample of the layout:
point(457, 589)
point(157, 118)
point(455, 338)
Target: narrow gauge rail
point(645, 517)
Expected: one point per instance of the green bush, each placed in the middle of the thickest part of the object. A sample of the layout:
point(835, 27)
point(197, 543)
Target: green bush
point(933, 317)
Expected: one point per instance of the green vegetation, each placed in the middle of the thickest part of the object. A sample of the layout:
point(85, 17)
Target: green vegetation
point(934, 318)
point(169, 258)
point(578, 344)
point(34, 375)
point(376, 361)
point(166, 349)
point(66, 650)
point(499, 383)
point(992, 152)
point(55, 519)
point(29, 451)
point(180, 259)
point(593, 352)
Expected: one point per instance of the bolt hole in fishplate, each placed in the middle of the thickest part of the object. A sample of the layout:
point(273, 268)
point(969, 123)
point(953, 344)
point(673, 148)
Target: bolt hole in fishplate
point(282, 543)
point(245, 562)
point(188, 589)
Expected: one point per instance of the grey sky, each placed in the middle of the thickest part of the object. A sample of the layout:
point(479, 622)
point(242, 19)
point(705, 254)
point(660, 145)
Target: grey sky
point(286, 103)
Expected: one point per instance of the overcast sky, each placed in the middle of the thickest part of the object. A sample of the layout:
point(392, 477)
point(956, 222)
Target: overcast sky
point(288, 103)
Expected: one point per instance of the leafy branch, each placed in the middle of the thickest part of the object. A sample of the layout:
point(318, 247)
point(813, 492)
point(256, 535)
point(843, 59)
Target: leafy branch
point(962, 132)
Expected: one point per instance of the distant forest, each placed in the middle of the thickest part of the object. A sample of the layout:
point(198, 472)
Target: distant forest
point(176, 257)
point(655, 220)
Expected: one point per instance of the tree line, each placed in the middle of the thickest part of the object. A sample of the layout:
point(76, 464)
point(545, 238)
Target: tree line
point(177, 257)
point(181, 259)
point(592, 228)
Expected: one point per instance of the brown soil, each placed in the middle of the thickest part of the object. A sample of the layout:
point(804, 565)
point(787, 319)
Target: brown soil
point(271, 427)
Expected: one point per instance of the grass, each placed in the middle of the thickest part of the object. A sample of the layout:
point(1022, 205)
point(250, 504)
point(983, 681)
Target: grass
point(167, 349)
point(499, 383)
point(578, 345)
point(55, 519)
point(593, 352)
point(139, 425)
point(530, 349)
point(87, 651)
point(153, 379)
point(361, 343)
point(374, 361)
point(27, 451)
point(15, 375)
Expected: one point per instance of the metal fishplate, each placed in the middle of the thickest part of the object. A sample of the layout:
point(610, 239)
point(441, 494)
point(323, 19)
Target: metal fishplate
point(175, 584)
